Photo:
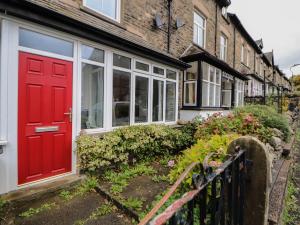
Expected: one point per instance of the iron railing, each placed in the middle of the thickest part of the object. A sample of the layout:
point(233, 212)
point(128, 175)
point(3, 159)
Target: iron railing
point(217, 198)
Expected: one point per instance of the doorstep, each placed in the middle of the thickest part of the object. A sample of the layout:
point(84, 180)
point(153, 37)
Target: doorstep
point(43, 189)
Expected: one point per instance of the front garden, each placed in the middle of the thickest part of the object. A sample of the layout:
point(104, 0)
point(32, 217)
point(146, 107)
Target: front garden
point(133, 167)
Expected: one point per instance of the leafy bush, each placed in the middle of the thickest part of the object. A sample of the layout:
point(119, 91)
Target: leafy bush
point(241, 123)
point(216, 144)
point(268, 117)
point(130, 144)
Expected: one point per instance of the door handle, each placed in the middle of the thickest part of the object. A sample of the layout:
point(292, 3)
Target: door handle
point(69, 114)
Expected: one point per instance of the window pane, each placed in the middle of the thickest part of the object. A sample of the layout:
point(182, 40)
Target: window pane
point(200, 37)
point(106, 7)
point(122, 61)
point(44, 42)
point(199, 19)
point(226, 98)
point(92, 54)
point(121, 98)
point(141, 99)
point(158, 71)
point(218, 76)
point(190, 93)
point(92, 98)
point(171, 75)
point(218, 96)
point(158, 100)
point(204, 93)
point(205, 73)
point(195, 38)
point(170, 101)
point(142, 66)
point(211, 74)
point(192, 73)
point(211, 94)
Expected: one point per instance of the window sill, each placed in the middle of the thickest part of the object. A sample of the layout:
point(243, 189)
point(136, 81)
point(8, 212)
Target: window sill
point(102, 17)
point(206, 108)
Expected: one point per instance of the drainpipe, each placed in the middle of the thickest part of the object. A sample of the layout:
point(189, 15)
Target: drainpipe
point(265, 87)
point(234, 47)
point(169, 24)
point(216, 29)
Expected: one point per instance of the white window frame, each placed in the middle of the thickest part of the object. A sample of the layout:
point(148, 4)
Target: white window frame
point(215, 84)
point(118, 10)
point(239, 91)
point(226, 90)
point(164, 99)
point(248, 58)
point(242, 53)
point(186, 82)
point(135, 75)
point(90, 62)
point(223, 47)
point(176, 96)
point(199, 26)
point(142, 71)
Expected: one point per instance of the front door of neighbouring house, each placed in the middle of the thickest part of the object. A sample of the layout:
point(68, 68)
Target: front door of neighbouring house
point(44, 117)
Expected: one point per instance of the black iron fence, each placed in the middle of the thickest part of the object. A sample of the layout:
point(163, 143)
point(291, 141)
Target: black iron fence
point(217, 198)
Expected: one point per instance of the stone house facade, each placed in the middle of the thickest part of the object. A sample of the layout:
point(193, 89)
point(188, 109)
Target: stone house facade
point(107, 64)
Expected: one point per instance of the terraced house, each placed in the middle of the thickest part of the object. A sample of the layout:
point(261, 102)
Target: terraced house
point(71, 66)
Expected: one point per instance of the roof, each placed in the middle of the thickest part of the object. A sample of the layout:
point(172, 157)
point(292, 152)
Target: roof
point(68, 18)
point(236, 21)
point(269, 56)
point(194, 53)
point(260, 43)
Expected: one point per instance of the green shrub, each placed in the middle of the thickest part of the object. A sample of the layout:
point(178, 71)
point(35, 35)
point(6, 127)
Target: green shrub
point(130, 144)
point(268, 117)
point(217, 144)
point(241, 123)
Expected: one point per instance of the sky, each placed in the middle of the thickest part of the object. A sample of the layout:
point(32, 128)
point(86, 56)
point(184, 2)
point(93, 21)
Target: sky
point(277, 22)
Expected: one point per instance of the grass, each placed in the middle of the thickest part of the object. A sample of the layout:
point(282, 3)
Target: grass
point(291, 213)
point(134, 203)
point(160, 178)
point(33, 211)
point(119, 179)
point(103, 210)
point(87, 186)
point(3, 205)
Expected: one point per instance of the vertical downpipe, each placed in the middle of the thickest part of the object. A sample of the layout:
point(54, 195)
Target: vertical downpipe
point(216, 28)
point(169, 24)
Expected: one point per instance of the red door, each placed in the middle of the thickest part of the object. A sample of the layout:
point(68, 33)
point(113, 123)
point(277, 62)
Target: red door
point(45, 130)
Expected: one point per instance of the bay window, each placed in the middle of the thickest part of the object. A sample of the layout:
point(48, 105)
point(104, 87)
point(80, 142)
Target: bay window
point(132, 92)
point(190, 85)
point(211, 86)
point(107, 8)
point(199, 29)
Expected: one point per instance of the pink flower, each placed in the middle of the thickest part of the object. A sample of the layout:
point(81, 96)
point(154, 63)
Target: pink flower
point(171, 163)
point(214, 164)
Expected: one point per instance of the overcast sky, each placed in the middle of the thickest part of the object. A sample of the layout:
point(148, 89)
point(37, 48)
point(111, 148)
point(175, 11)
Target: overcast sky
point(278, 23)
